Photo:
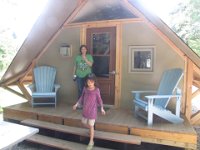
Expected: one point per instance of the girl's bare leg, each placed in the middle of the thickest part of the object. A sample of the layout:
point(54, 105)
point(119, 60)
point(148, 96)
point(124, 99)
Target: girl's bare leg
point(86, 125)
point(91, 135)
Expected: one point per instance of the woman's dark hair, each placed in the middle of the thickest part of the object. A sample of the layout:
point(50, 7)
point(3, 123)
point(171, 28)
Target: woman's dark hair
point(84, 47)
point(91, 76)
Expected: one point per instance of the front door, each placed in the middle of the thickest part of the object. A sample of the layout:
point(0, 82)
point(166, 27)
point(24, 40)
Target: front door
point(102, 45)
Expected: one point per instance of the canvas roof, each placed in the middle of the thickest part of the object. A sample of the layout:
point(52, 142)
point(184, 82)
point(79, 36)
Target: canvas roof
point(58, 11)
point(103, 10)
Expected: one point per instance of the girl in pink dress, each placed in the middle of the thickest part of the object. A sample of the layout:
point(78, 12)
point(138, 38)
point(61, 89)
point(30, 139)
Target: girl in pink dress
point(90, 100)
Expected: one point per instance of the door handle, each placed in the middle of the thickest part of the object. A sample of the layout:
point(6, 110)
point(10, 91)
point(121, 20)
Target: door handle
point(112, 72)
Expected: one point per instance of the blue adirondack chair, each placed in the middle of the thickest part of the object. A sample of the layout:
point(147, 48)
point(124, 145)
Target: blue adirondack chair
point(44, 90)
point(157, 103)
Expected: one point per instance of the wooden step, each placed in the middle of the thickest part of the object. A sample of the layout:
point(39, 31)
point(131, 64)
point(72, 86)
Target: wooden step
point(116, 137)
point(58, 143)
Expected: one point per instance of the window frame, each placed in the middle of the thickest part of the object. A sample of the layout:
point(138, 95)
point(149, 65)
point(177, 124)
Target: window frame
point(149, 51)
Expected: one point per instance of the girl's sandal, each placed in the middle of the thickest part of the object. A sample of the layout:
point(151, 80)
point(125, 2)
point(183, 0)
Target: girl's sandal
point(90, 146)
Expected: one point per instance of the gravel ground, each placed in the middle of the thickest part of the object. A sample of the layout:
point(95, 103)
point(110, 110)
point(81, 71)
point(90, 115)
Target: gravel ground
point(31, 146)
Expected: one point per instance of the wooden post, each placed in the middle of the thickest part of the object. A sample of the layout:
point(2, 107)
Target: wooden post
point(183, 99)
point(83, 35)
point(14, 91)
point(24, 91)
point(189, 80)
point(118, 65)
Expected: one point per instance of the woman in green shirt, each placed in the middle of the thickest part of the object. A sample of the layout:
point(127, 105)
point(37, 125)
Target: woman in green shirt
point(83, 67)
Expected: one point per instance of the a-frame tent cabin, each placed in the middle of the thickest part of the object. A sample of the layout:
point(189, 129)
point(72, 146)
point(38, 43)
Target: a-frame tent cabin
point(71, 23)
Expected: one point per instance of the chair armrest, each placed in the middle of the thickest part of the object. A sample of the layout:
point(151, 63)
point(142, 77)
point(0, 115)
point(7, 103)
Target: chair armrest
point(137, 94)
point(151, 99)
point(143, 92)
point(56, 86)
point(31, 87)
point(161, 96)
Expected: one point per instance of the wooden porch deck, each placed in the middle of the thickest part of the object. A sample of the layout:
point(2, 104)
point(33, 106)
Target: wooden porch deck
point(116, 121)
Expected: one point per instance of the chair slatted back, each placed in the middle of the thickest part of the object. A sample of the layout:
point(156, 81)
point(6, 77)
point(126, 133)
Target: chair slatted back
point(44, 78)
point(169, 82)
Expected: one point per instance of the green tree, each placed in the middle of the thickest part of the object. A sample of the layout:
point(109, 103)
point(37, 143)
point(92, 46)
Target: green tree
point(185, 21)
point(5, 59)
point(2, 54)
point(7, 50)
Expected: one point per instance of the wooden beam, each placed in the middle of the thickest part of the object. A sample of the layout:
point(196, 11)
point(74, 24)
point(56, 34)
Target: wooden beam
point(73, 122)
point(111, 128)
point(196, 69)
point(115, 137)
point(13, 91)
point(196, 83)
point(20, 85)
point(12, 80)
point(19, 76)
point(195, 118)
point(184, 145)
point(28, 79)
point(189, 76)
point(83, 35)
point(50, 118)
point(103, 23)
point(57, 143)
point(24, 91)
point(118, 65)
point(171, 136)
point(30, 68)
point(196, 93)
point(183, 99)
point(18, 115)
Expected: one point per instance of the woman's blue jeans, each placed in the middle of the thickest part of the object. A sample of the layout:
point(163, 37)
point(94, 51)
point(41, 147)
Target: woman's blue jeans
point(81, 84)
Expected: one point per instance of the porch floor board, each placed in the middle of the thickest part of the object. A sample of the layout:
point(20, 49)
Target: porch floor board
point(116, 121)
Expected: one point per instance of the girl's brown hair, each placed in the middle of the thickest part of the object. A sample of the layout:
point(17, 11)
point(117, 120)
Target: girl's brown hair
point(92, 77)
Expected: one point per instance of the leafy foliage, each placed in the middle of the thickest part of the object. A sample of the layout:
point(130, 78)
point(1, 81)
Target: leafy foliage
point(185, 21)
point(7, 51)
point(5, 59)
point(2, 53)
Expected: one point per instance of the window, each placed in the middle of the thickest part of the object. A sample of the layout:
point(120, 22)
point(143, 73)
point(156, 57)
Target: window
point(141, 58)
point(66, 51)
